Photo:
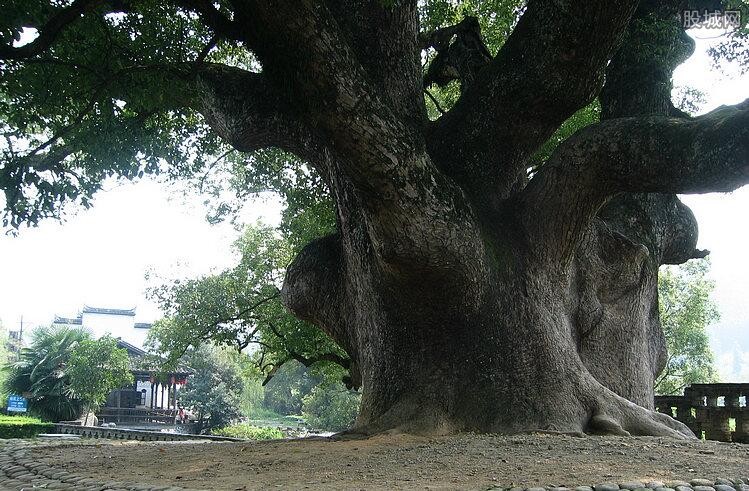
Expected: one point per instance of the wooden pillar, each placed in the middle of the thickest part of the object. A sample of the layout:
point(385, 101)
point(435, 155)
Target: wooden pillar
point(152, 395)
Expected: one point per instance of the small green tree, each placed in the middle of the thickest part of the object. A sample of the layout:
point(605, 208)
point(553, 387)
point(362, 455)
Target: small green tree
point(96, 368)
point(213, 392)
point(686, 311)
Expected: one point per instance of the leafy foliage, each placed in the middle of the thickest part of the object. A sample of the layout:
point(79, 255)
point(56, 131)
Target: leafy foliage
point(250, 432)
point(42, 373)
point(285, 392)
point(239, 307)
point(686, 311)
point(96, 368)
point(106, 103)
point(330, 406)
point(734, 48)
point(689, 99)
point(212, 393)
point(586, 116)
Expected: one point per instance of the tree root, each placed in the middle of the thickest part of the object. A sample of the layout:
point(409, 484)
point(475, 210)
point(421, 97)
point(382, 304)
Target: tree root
point(621, 417)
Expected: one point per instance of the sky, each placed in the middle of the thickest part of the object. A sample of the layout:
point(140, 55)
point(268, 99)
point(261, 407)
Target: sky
point(100, 256)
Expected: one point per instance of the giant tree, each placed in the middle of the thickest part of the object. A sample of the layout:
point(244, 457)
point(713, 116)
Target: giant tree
point(472, 285)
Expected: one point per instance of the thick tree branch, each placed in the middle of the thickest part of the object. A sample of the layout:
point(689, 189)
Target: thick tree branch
point(49, 31)
point(304, 49)
point(461, 58)
point(636, 155)
point(249, 113)
point(551, 66)
point(383, 36)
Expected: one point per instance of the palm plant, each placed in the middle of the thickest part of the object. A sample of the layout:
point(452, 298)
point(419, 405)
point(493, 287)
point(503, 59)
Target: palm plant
point(40, 374)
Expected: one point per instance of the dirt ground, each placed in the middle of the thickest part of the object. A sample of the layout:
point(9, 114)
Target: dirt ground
point(406, 462)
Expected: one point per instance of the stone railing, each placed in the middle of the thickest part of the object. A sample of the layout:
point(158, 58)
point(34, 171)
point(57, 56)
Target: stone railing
point(127, 434)
point(713, 411)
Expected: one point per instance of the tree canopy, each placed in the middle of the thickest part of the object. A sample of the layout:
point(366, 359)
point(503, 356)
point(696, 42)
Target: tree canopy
point(686, 311)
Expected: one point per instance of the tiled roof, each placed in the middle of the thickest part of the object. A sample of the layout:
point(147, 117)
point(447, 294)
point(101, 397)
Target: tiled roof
point(131, 349)
point(97, 310)
point(142, 325)
point(66, 320)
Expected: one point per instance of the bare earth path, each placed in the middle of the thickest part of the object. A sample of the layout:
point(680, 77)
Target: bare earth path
point(407, 462)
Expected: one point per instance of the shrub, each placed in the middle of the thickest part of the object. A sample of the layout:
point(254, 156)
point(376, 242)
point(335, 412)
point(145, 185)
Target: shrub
point(250, 432)
point(22, 427)
point(330, 406)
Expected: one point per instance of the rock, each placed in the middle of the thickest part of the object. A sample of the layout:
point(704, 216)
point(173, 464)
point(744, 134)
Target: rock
point(701, 482)
point(92, 420)
point(664, 489)
point(683, 488)
point(676, 484)
point(723, 487)
point(632, 485)
point(583, 488)
point(609, 486)
point(655, 485)
point(703, 488)
point(536, 489)
point(721, 480)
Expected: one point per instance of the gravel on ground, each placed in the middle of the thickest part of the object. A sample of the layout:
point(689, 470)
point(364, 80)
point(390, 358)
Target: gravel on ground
point(468, 461)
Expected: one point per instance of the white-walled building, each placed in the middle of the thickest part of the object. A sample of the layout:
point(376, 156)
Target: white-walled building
point(153, 395)
point(118, 323)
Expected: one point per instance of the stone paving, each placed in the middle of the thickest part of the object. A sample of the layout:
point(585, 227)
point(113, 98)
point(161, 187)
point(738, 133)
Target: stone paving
point(19, 471)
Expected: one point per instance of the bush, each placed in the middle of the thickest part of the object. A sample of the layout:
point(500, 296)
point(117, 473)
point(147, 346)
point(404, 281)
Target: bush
point(332, 407)
point(246, 430)
point(22, 427)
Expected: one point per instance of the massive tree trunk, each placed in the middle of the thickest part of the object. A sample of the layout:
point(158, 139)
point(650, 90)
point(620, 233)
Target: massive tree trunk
point(468, 293)
point(469, 300)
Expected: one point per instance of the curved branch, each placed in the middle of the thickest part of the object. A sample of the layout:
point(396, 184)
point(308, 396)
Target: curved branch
point(637, 155)
point(48, 33)
point(249, 113)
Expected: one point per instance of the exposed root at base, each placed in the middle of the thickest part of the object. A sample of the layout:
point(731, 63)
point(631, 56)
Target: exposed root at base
point(621, 417)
